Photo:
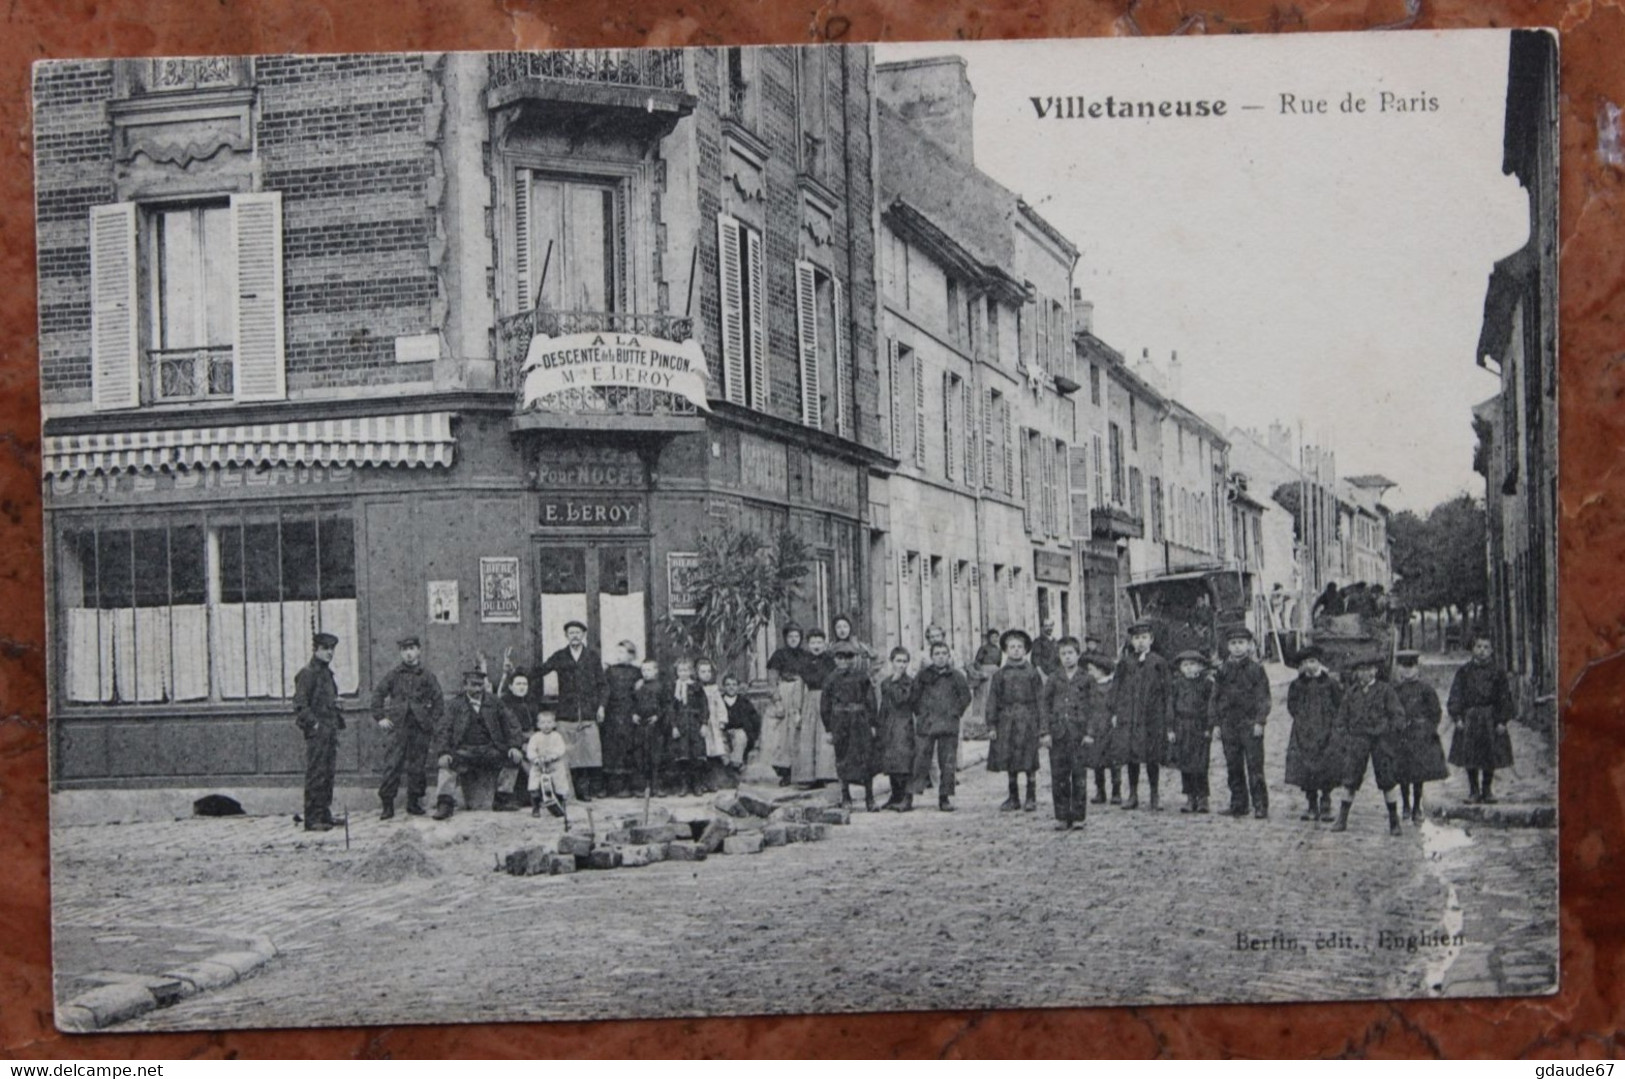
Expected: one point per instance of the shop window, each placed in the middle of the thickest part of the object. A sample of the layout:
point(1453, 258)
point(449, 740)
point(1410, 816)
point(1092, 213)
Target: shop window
point(205, 610)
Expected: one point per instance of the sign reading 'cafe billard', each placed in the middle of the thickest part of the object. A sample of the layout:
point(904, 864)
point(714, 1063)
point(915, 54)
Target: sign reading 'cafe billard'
point(584, 360)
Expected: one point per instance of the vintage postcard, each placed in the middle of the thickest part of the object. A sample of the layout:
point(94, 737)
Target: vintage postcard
point(662, 532)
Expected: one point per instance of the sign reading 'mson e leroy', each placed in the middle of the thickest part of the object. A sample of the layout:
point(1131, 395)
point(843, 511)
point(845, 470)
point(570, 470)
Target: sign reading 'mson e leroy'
point(579, 360)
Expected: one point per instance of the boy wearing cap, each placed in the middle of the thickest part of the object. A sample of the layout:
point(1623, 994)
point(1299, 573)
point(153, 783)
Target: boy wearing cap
point(1190, 728)
point(1241, 706)
point(1063, 708)
point(476, 733)
point(1418, 753)
point(407, 703)
point(1142, 712)
point(1312, 764)
point(1367, 719)
point(941, 695)
point(316, 713)
point(1480, 705)
point(580, 706)
point(848, 712)
point(1013, 721)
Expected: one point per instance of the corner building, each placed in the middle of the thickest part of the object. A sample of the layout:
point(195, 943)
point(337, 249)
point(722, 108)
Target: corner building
point(285, 306)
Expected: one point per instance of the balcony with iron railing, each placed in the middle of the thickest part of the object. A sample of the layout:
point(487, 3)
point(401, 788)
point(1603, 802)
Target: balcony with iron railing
point(602, 407)
point(189, 374)
point(647, 81)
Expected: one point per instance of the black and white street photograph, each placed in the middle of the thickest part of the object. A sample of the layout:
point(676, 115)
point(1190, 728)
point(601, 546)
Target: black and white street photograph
point(626, 533)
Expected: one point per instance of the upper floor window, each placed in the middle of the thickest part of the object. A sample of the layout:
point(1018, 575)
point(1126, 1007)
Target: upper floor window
point(826, 392)
point(812, 109)
point(1115, 435)
point(738, 79)
point(896, 267)
point(572, 243)
point(1094, 384)
point(186, 301)
point(743, 292)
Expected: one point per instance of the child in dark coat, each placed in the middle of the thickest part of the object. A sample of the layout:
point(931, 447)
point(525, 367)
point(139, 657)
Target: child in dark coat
point(651, 718)
point(1190, 728)
point(897, 732)
point(690, 712)
point(849, 714)
point(1312, 761)
point(1064, 707)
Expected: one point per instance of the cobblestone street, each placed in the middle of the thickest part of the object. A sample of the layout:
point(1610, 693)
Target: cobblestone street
point(914, 911)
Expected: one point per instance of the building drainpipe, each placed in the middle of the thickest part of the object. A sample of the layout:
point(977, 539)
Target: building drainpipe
point(865, 520)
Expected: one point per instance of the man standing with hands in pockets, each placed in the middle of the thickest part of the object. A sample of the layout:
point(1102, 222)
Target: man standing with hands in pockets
point(407, 704)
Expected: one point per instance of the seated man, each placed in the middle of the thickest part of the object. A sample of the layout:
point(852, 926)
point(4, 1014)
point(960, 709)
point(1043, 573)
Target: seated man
point(476, 734)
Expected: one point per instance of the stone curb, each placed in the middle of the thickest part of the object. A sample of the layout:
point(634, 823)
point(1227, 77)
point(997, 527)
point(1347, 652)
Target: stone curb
point(132, 995)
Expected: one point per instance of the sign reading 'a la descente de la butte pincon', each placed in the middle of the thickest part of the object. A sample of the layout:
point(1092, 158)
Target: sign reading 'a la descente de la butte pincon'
point(582, 360)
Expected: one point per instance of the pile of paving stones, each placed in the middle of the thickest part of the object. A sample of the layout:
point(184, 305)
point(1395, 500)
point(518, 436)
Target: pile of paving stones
point(400, 857)
point(740, 822)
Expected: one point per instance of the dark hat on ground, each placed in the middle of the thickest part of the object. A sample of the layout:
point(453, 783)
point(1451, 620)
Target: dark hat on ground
point(1015, 635)
point(1142, 626)
point(576, 622)
point(1312, 652)
point(1192, 655)
point(324, 640)
point(409, 642)
point(1408, 658)
point(1238, 633)
point(1097, 660)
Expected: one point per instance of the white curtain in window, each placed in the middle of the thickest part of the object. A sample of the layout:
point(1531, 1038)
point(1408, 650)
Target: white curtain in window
point(90, 657)
point(189, 634)
point(339, 617)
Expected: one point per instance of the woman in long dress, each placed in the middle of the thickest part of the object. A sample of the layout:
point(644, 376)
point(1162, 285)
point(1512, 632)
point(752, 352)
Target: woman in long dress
point(814, 761)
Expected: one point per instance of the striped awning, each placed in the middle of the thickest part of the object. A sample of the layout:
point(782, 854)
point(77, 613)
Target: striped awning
point(416, 440)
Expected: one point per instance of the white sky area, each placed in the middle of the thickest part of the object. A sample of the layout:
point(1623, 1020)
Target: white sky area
point(1327, 270)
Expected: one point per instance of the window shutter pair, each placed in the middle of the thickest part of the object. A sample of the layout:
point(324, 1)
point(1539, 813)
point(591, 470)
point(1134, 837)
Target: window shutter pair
point(115, 314)
point(812, 405)
point(739, 265)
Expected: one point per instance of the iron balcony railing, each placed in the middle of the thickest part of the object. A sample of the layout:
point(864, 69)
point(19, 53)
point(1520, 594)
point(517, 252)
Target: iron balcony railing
point(660, 69)
point(190, 374)
point(513, 337)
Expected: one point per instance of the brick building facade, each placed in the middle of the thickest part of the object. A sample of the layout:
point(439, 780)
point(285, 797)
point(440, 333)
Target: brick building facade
point(285, 308)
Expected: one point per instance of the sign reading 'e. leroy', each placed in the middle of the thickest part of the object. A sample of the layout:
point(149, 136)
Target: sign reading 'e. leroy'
point(571, 511)
point(581, 360)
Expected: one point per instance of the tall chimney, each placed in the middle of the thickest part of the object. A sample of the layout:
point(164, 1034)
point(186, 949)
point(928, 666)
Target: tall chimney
point(1083, 313)
point(934, 95)
point(1176, 376)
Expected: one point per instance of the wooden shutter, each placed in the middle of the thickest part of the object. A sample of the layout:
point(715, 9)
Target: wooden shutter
point(115, 347)
point(1026, 481)
point(525, 299)
point(1046, 472)
point(1009, 450)
point(919, 410)
point(949, 451)
point(807, 342)
point(1024, 314)
point(1078, 488)
point(257, 224)
point(843, 367)
point(972, 449)
point(989, 419)
point(1041, 328)
point(894, 397)
point(730, 275)
point(756, 281)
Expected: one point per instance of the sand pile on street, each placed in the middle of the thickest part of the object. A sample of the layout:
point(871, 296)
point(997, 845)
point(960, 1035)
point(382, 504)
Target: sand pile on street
point(399, 858)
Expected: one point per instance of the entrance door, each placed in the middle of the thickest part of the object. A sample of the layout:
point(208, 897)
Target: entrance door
point(605, 585)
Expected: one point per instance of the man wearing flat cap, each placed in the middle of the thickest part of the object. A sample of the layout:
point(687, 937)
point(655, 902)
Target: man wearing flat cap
point(1241, 706)
point(582, 685)
point(407, 703)
point(476, 734)
point(316, 712)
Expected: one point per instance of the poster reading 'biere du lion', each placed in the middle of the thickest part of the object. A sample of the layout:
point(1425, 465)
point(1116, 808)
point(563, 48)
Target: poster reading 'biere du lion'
point(951, 526)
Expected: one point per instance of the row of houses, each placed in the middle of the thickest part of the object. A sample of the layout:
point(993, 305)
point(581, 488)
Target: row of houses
point(289, 315)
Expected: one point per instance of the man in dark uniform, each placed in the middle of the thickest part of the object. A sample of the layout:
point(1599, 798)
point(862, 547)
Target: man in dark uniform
point(1367, 720)
point(582, 684)
point(476, 733)
point(1046, 653)
point(407, 704)
point(316, 711)
point(1480, 705)
point(1241, 706)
